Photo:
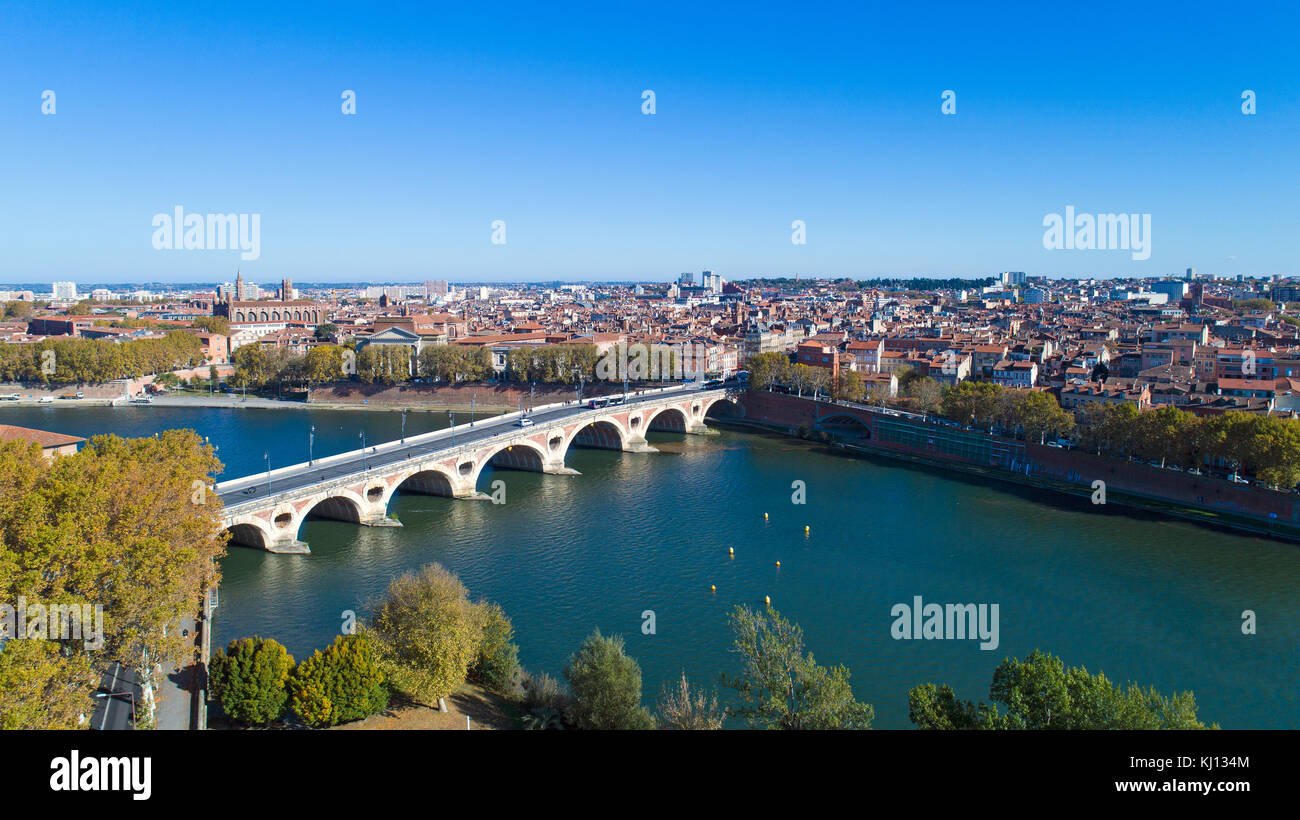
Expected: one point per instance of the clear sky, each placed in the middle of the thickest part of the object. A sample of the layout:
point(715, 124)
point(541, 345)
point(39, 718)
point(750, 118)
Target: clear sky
point(532, 114)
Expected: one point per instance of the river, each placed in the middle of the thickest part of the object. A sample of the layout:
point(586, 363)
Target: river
point(1136, 596)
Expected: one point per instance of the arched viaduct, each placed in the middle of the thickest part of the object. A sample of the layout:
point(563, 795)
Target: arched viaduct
point(272, 521)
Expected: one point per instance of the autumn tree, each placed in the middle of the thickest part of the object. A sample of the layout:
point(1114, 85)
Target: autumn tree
point(426, 633)
point(129, 525)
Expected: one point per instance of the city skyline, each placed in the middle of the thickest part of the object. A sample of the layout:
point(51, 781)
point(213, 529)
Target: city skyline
point(833, 119)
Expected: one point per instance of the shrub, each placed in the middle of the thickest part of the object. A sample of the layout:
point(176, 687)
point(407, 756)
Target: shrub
point(497, 664)
point(250, 680)
point(681, 708)
point(606, 686)
point(342, 683)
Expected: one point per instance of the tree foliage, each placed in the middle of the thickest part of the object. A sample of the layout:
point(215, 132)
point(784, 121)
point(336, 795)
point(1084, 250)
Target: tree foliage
point(455, 363)
point(497, 665)
point(426, 633)
point(783, 688)
point(129, 525)
point(1041, 693)
point(75, 360)
point(606, 685)
point(341, 684)
point(250, 679)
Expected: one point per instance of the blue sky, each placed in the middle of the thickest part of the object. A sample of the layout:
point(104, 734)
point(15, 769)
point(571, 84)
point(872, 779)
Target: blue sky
point(531, 114)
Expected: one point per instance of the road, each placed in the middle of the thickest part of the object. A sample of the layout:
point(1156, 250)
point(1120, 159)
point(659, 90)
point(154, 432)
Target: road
point(252, 488)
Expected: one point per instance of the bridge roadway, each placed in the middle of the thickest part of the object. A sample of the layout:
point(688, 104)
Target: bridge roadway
point(357, 486)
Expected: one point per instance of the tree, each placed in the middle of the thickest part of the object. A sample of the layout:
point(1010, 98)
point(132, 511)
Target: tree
point(606, 684)
point(252, 365)
point(17, 309)
point(971, 402)
point(850, 387)
point(781, 687)
point(767, 369)
point(42, 686)
point(213, 324)
point(426, 633)
point(342, 683)
point(384, 364)
point(682, 708)
point(1040, 416)
point(497, 664)
point(129, 525)
point(250, 679)
point(1041, 693)
point(326, 331)
point(937, 707)
point(323, 363)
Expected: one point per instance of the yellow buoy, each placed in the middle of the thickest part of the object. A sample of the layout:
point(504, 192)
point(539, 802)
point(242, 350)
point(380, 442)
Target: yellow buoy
point(731, 550)
point(806, 529)
point(778, 564)
point(713, 588)
point(764, 516)
point(767, 599)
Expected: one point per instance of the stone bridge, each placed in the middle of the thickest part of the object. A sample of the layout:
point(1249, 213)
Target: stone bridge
point(359, 485)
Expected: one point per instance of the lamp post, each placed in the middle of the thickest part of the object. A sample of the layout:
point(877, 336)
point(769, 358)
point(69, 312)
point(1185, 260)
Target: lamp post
point(267, 456)
point(471, 409)
point(130, 698)
point(311, 439)
point(452, 415)
point(403, 425)
point(362, 436)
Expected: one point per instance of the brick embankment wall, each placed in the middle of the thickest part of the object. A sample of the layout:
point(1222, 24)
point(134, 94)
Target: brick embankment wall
point(104, 390)
point(486, 395)
point(1199, 498)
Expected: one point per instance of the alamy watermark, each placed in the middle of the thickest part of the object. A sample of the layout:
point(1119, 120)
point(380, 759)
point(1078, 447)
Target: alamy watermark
point(53, 622)
point(654, 361)
point(946, 622)
point(179, 231)
point(1103, 232)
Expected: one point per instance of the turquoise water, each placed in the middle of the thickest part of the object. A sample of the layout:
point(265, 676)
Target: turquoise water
point(1141, 598)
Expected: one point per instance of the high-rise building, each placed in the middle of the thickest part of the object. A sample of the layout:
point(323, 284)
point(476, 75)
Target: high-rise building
point(65, 290)
point(435, 288)
point(1175, 289)
point(687, 279)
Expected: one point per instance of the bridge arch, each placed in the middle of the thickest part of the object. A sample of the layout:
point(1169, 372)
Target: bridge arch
point(600, 434)
point(427, 481)
point(249, 535)
point(514, 455)
point(848, 422)
point(667, 419)
point(340, 505)
point(722, 407)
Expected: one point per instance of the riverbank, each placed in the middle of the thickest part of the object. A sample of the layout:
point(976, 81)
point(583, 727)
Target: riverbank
point(867, 432)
